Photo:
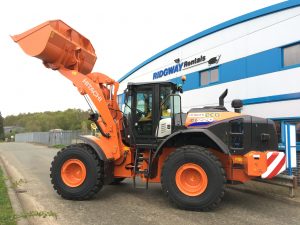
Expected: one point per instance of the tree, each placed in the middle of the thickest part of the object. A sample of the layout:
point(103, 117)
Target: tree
point(69, 119)
point(1, 128)
point(84, 128)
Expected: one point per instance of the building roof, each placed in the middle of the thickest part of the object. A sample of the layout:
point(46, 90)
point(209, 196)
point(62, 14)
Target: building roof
point(249, 16)
point(153, 82)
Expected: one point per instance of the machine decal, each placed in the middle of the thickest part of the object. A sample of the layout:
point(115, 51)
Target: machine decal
point(92, 89)
point(201, 121)
point(196, 124)
point(276, 163)
point(195, 119)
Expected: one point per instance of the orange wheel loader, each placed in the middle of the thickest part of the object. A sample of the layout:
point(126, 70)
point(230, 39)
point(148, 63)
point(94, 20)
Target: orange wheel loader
point(193, 155)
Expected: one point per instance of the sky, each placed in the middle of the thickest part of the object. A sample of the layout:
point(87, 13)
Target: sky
point(123, 33)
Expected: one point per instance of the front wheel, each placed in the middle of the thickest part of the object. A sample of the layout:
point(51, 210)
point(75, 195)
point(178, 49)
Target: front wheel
point(76, 172)
point(193, 178)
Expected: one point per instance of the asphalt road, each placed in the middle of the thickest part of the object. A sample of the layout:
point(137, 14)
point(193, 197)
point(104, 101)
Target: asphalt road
point(124, 205)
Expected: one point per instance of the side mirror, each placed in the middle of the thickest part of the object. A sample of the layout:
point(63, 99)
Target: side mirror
point(179, 88)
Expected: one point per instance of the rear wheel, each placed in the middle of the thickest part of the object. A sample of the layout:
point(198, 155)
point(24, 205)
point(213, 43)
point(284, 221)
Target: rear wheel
point(76, 172)
point(193, 178)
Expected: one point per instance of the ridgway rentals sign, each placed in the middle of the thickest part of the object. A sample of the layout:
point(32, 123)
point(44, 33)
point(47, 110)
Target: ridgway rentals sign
point(185, 65)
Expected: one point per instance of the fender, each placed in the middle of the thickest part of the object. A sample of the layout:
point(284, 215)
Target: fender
point(96, 147)
point(206, 132)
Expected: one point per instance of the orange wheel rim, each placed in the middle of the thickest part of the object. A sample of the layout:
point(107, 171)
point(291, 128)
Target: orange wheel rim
point(191, 179)
point(73, 172)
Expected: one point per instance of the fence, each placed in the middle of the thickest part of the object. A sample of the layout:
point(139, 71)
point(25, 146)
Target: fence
point(49, 138)
point(296, 171)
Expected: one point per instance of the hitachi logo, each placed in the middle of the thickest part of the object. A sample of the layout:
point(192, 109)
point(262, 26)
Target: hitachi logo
point(92, 89)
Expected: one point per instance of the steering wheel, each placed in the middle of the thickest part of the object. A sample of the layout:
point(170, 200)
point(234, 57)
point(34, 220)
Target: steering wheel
point(140, 112)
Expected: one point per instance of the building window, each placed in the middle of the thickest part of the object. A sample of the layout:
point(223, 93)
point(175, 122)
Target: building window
point(209, 76)
point(214, 75)
point(291, 55)
point(204, 78)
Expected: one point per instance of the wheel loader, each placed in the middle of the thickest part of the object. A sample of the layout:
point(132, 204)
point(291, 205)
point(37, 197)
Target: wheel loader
point(193, 154)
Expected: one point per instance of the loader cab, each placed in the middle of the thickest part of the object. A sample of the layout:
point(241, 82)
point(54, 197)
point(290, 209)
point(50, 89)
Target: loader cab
point(152, 112)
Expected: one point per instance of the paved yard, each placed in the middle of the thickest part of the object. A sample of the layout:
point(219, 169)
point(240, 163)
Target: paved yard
point(124, 205)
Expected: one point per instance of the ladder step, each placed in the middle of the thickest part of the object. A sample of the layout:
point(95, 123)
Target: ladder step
point(129, 166)
point(142, 172)
point(142, 158)
point(139, 163)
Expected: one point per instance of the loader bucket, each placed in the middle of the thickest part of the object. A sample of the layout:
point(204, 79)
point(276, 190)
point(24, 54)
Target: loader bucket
point(58, 46)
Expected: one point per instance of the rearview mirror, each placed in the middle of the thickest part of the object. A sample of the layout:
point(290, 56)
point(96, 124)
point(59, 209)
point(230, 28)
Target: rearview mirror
point(179, 88)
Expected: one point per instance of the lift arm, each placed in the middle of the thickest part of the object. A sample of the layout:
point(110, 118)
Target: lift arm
point(95, 85)
point(64, 49)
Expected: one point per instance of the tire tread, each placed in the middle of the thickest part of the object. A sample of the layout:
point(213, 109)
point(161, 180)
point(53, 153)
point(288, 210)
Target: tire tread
point(193, 148)
point(98, 185)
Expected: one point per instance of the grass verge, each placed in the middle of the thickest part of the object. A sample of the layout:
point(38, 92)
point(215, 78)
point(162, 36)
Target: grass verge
point(58, 146)
point(7, 216)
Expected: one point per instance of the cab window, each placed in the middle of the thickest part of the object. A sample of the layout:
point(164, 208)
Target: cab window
point(165, 102)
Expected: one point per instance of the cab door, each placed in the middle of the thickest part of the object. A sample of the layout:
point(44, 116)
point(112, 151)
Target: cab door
point(144, 113)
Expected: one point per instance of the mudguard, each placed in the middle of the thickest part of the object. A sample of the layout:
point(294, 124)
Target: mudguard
point(96, 147)
point(210, 135)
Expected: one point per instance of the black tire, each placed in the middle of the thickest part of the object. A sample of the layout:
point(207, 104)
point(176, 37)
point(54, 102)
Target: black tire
point(117, 180)
point(215, 189)
point(93, 181)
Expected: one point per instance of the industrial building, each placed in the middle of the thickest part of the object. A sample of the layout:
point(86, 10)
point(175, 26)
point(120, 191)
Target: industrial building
point(255, 56)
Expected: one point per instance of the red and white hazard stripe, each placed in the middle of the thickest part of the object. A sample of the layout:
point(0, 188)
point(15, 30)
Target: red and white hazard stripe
point(276, 163)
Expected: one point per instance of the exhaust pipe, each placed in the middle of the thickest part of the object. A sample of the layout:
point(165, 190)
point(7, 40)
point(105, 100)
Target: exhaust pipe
point(221, 98)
